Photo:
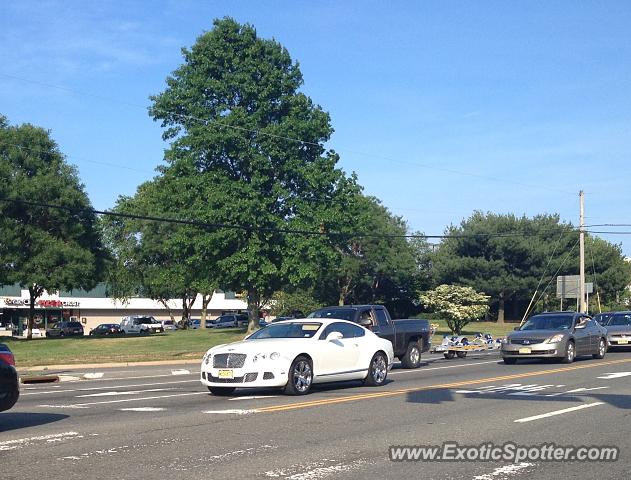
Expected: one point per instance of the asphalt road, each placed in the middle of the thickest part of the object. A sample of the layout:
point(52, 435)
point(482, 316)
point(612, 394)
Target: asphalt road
point(160, 422)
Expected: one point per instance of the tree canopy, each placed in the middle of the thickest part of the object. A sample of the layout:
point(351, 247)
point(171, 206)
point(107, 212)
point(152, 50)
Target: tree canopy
point(44, 248)
point(231, 112)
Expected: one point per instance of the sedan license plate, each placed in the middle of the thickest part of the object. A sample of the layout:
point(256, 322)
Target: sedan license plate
point(226, 374)
point(525, 351)
point(623, 341)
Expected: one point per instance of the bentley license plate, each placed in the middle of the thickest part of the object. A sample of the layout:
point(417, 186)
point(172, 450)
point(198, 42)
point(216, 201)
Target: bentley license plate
point(226, 374)
point(525, 351)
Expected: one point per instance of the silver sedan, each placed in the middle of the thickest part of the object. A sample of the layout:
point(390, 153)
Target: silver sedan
point(561, 335)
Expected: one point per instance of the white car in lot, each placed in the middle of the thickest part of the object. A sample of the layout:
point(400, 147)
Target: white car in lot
point(295, 354)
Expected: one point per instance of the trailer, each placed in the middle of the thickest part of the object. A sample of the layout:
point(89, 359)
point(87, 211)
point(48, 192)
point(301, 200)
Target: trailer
point(459, 345)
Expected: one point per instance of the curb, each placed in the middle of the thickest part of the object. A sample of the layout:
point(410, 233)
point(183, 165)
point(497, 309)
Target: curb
point(91, 366)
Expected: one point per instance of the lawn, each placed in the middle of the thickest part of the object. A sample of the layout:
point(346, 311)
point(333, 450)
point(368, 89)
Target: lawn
point(175, 345)
point(497, 330)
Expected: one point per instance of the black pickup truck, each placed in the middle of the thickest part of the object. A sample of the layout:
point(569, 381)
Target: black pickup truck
point(409, 337)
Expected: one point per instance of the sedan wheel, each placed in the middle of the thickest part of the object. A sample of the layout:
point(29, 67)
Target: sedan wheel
point(378, 370)
point(602, 349)
point(570, 353)
point(300, 377)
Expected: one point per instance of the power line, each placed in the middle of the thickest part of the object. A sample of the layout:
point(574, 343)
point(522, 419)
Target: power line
point(216, 226)
point(291, 139)
point(107, 164)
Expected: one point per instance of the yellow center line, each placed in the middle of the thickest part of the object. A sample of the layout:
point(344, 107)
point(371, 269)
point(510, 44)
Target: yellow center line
point(403, 391)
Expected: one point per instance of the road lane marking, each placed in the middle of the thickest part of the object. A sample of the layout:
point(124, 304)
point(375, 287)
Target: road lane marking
point(504, 472)
point(558, 412)
point(611, 376)
point(417, 370)
point(231, 411)
point(91, 389)
point(180, 371)
point(126, 392)
point(84, 405)
point(21, 442)
point(253, 397)
point(582, 389)
point(142, 409)
point(317, 470)
point(463, 383)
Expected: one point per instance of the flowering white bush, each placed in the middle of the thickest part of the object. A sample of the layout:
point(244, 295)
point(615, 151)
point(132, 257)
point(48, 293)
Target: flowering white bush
point(459, 305)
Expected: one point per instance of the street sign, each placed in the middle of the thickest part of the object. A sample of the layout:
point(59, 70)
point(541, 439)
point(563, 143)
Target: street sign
point(568, 286)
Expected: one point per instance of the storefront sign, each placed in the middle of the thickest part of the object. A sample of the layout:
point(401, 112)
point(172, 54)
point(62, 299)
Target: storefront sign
point(25, 302)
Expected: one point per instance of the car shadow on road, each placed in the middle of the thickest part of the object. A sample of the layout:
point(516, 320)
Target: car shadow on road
point(16, 420)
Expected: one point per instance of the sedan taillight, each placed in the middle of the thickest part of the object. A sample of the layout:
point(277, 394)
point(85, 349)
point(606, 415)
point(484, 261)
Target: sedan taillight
point(7, 358)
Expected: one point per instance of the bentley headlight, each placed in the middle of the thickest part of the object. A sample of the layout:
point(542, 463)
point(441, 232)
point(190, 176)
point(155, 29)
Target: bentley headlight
point(207, 358)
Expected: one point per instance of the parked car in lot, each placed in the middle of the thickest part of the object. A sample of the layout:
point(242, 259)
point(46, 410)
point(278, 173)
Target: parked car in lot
point(64, 329)
point(295, 354)
point(194, 323)
point(105, 329)
point(561, 335)
point(168, 325)
point(409, 337)
point(9, 379)
point(140, 324)
point(228, 321)
point(618, 326)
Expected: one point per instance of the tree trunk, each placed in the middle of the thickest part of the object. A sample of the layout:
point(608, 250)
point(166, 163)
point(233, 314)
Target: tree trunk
point(205, 301)
point(254, 305)
point(187, 303)
point(500, 309)
point(165, 303)
point(31, 312)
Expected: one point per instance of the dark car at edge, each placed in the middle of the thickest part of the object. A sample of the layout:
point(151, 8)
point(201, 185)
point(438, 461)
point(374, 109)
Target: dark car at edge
point(9, 379)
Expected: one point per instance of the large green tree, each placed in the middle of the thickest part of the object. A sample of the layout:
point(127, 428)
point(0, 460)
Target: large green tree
point(374, 262)
point(162, 260)
point(232, 113)
point(44, 248)
point(511, 258)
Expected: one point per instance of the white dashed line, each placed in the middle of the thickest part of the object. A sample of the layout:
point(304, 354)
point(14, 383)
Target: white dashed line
point(611, 376)
point(558, 412)
point(231, 412)
point(142, 409)
point(504, 472)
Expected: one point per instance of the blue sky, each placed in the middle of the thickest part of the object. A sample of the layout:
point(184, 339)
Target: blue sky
point(442, 108)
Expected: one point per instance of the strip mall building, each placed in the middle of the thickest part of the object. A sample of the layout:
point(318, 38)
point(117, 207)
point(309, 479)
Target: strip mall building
point(94, 307)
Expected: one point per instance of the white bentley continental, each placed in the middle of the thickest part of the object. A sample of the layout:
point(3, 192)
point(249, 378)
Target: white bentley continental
point(295, 354)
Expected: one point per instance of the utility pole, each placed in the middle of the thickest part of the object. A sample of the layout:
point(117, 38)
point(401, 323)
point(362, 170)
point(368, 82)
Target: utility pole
point(581, 230)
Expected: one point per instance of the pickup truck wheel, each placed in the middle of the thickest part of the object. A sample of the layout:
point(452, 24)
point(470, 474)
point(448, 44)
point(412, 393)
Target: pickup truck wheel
point(449, 355)
point(377, 371)
point(412, 357)
point(461, 354)
point(220, 391)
